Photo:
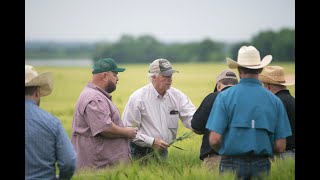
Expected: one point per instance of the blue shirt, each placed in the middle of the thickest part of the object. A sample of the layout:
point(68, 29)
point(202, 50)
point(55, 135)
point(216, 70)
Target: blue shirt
point(250, 119)
point(46, 143)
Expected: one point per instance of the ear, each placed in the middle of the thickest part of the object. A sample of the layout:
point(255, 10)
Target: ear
point(267, 86)
point(38, 92)
point(153, 78)
point(218, 86)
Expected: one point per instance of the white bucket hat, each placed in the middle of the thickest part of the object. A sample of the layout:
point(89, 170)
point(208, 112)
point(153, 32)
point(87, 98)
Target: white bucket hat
point(44, 80)
point(249, 57)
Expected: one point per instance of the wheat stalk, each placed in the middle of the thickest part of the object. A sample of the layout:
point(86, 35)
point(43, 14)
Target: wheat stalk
point(181, 138)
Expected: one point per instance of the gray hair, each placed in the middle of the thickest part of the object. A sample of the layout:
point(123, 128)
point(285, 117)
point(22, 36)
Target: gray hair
point(150, 75)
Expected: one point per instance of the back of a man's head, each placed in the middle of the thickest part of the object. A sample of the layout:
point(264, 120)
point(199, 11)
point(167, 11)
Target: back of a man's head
point(228, 81)
point(249, 71)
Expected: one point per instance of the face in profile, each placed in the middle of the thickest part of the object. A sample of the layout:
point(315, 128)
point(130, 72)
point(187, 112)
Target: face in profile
point(112, 82)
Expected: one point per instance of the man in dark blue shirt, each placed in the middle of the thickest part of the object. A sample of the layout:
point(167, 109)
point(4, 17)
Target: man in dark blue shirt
point(210, 157)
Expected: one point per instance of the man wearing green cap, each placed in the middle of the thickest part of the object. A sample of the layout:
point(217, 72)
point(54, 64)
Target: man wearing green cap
point(98, 134)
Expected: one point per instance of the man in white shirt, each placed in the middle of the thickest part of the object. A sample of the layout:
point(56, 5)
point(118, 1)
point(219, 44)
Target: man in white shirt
point(155, 110)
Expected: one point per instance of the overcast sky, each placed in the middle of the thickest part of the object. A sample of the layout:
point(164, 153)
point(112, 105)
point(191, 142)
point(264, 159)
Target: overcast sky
point(166, 20)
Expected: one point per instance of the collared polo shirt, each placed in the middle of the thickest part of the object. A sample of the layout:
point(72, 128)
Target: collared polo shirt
point(250, 119)
point(157, 116)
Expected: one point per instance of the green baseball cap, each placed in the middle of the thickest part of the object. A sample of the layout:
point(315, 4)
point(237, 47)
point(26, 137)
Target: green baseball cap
point(104, 65)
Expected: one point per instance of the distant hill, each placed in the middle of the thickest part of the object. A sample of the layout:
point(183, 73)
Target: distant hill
point(58, 50)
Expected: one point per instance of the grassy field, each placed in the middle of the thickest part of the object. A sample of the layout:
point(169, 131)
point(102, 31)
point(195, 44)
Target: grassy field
point(195, 80)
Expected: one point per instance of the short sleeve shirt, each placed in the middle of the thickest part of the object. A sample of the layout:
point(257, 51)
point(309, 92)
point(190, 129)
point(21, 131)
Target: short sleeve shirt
point(250, 119)
point(94, 113)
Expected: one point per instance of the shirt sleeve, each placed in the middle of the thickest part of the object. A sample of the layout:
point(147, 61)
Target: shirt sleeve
point(187, 109)
point(66, 155)
point(283, 128)
point(218, 119)
point(131, 117)
point(200, 117)
point(98, 116)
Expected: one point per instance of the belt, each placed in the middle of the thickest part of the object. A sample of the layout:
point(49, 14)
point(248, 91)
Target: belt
point(244, 157)
point(211, 154)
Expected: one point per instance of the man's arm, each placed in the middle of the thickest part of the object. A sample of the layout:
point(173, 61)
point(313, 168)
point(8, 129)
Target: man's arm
point(131, 117)
point(215, 140)
point(66, 155)
point(186, 110)
point(118, 132)
point(200, 117)
point(280, 145)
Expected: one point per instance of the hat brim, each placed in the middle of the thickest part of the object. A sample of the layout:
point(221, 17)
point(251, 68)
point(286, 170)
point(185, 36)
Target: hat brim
point(266, 79)
point(234, 65)
point(118, 69)
point(44, 81)
point(168, 72)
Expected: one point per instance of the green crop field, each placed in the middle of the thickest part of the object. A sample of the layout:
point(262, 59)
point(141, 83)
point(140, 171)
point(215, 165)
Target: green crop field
point(195, 80)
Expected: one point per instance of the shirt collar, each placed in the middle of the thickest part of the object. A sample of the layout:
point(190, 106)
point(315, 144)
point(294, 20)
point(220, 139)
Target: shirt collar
point(283, 91)
point(155, 92)
point(27, 100)
point(93, 86)
point(250, 81)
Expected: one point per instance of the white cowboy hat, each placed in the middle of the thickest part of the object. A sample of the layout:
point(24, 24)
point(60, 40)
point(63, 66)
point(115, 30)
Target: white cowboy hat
point(249, 57)
point(275, 75)
point(44, 80)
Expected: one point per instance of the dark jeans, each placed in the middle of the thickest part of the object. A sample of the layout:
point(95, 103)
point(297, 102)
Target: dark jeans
point(138, 152)
point(245, 167)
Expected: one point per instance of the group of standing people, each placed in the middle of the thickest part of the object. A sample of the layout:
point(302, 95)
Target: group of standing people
point(243, 124)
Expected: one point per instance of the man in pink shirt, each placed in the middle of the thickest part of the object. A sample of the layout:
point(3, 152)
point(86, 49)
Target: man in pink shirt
point(98, 134)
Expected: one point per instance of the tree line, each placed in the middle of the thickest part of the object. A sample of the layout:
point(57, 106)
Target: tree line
point(142, 49)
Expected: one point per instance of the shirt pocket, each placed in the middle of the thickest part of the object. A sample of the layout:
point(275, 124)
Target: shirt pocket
point(173, 118)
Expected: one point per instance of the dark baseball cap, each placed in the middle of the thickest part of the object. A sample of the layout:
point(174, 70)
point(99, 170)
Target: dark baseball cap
point(105, 65)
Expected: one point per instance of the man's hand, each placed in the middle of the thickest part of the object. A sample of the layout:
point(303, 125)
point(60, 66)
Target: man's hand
point(131, 132)
point(160, 144)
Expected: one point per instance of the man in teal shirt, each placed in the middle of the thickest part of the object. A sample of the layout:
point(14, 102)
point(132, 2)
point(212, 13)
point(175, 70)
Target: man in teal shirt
point(248, 123)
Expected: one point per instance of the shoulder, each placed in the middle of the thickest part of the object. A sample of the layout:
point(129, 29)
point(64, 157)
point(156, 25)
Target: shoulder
point(211, 96)
point(141, 91)
point(175, 92)
point(42, 116)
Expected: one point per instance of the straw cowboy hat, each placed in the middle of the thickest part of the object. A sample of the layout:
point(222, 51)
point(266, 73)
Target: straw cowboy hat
point(44, 80)
point(275, 75)
point(249, 57)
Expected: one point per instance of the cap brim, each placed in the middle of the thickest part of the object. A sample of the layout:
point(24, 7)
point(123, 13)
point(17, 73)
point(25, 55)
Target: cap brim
point(168, 72)
point(119, 69)
point(264, 62)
